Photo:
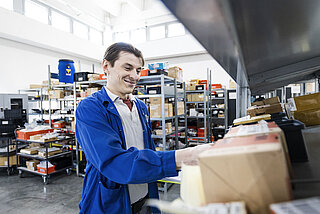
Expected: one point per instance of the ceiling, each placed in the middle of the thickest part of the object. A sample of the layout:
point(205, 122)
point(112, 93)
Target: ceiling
point(114, 13)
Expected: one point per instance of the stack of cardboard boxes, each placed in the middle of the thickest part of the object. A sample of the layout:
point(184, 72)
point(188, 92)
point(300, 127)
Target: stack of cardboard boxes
point(267, 106)
point(251, 165)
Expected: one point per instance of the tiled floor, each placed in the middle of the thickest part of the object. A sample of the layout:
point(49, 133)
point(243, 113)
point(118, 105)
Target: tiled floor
point(29, 195)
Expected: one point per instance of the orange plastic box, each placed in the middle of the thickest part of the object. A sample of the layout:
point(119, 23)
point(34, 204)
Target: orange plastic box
point(102, 77)
point(144, 72)
point(26, 135)
point(58, 125)
point(43, 170)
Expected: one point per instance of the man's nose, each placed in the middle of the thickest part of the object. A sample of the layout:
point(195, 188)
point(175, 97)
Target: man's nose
point(134, 75)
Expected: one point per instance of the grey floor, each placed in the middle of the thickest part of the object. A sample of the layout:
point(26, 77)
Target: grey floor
point(29, 195)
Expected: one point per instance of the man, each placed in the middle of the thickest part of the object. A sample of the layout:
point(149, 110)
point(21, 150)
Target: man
point(114, 131)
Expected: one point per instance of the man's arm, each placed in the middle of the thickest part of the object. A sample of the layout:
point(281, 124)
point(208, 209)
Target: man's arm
point(102, 146)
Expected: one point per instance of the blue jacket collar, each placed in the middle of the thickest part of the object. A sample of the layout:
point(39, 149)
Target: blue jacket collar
point(107, 102)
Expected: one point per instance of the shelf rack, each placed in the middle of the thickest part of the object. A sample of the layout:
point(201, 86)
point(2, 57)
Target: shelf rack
point(45, 176)
point(163, 80)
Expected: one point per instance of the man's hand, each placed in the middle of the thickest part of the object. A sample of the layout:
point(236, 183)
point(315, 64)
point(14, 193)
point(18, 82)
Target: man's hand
point(190, 154)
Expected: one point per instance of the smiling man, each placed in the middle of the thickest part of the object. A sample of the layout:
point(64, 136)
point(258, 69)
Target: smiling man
point(114, 131)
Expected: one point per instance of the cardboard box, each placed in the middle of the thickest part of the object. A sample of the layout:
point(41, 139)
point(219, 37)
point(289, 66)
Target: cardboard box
point(4, 160)
point(93, 77)
point(252, 169)
point(50, 153)
point(156, 112)
point(180, 106)
point(257, 103)
point(30, 151)
point(56, 94)
point(306, 102)
point(32, 164)
point(53, 82)
point(176, 72)
point(189, 97)
point(198, 97)
point(261, 129)
point(35, 86)
point(190, 87)
point(308, 117)
point(266, 109)
point(272, 100)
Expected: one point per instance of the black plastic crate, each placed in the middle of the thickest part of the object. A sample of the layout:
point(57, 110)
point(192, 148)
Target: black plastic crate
point(7, 128)
point(295, 142)
point(157, 72)
point(81, 76)
point(13, 114)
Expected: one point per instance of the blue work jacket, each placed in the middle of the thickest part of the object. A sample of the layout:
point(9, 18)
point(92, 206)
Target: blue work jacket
point(110, 165)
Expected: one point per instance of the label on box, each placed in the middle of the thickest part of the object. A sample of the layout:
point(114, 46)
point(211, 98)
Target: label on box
point(292, 105)
point(5, 122)
point(253, 129)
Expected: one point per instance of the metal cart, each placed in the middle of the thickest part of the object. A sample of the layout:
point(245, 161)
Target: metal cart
point(47, 145)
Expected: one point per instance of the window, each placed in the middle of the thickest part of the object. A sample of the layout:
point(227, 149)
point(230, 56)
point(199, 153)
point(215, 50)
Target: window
point(60, 21)
point(107, 36)
point(8, 4)
point(80, 30)
point(95, 36)
point(36, 11)
point(158, 32)
point(138, 36)
point(176, 29)
point(122, 36)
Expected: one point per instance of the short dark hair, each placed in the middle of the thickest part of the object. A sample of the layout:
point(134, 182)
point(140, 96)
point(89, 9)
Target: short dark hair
point(113, 51)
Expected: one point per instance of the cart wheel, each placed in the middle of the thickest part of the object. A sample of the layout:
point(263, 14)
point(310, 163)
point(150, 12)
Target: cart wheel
point(68, 171)
point(20, 173)
point(45, 180)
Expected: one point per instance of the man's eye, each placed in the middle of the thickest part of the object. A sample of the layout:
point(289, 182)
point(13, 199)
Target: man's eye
point(127, 68)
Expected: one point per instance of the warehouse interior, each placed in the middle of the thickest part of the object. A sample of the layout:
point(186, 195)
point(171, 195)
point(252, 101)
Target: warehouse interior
point(239, 76)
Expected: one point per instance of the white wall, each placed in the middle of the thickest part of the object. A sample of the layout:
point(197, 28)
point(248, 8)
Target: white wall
point(22, 65)
point(27, 47)
point(187, 53)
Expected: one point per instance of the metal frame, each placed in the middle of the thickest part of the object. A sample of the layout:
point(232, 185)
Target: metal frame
point(47, 158)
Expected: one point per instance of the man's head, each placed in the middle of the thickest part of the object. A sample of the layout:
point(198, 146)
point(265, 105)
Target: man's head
point(122, 64)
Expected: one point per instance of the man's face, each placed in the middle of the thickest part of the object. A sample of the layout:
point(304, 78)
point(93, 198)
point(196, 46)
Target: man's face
point(124, 75)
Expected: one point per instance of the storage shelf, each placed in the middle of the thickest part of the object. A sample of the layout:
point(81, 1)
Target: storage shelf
point(101, 82)
point(37, 157)
point(197, 92)
point(198, 102)
point(42, 174)
point(167, 135)
point(216, 118)
point(156, 80)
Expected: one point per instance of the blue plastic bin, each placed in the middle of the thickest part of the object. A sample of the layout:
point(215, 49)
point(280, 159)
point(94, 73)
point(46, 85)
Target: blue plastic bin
point(66, 70)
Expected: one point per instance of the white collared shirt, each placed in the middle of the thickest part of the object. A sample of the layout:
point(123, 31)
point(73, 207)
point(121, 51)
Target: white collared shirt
point(133, 133)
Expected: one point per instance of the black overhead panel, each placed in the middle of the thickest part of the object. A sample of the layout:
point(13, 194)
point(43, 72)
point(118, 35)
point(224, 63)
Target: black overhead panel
point(273, 42)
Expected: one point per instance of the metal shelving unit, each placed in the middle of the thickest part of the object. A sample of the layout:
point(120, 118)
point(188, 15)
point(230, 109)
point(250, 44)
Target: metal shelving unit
point(220, 120)
point(40, 93)
point(47, 145)
point(76, 85)
point(206, 113)
point(8, 152)
point(163, 80)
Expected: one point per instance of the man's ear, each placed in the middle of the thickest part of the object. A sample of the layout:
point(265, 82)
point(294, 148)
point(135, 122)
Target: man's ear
point(105, 66)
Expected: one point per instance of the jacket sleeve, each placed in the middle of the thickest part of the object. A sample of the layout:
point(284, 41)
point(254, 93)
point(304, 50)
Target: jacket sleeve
point(102, 147)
